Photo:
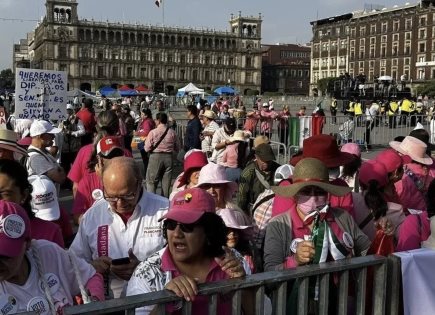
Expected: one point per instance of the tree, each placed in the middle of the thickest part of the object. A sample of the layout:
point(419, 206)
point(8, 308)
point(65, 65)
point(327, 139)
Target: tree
point(7, 79)
point(427, 88)
point(323, 84)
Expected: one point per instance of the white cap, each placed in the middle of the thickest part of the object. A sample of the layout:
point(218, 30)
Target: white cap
point(418, 126)
point(40, 127)
point(283, 172)
point(44, 202)
point(69, 106)
point(265, 104)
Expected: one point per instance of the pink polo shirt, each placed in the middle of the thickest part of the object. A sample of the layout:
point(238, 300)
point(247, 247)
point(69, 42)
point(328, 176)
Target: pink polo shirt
point(80, 165)
point(83, 199)
point(299, 230)
point(230, 155)
point(413, 231)
point(46, 230)
point(200, 305)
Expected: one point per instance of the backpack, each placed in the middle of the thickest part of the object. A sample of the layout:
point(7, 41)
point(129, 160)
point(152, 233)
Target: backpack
point(262, 213)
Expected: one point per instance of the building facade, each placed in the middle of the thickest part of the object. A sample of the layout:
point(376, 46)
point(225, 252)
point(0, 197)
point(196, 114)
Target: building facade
point(376, 42)
point(96, 54)
point(286, 69)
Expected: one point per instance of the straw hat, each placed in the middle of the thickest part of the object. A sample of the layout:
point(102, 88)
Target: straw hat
point(209, 114)
point(8, 141)
point(414, 148)
point(239, 135)
point(310, 172)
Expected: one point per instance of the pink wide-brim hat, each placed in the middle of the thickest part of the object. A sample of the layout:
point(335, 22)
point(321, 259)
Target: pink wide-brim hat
point(414, 148)
point(213, 174)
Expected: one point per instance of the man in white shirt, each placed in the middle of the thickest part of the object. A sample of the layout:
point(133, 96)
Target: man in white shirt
point(372, 112)
point(122, 225)
point(210, 126)
point(221, 138)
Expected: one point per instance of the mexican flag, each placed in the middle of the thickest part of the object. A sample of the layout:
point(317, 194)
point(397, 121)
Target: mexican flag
point(300, 129)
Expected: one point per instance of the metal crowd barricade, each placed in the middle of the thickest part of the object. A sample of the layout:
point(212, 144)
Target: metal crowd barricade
point(277, 283)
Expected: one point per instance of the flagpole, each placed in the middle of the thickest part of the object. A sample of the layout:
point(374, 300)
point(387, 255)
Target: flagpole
point(163, 13)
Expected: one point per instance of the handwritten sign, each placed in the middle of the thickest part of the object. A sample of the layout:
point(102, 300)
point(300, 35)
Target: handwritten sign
point(40, 94)
point(3, 121)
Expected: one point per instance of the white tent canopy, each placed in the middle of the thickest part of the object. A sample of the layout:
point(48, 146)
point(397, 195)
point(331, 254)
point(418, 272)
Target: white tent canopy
point(191, 88)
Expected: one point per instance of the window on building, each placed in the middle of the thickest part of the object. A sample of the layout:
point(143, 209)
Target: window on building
point(384, 27)
point(143, 57)
point(407, 47)
point(396, 26)
point(422, 33)
point(371, 64)
point(85, 70)
point(183, 75)
point(100, 71)
point(362, 42)
point(383, 63)
point(421, 47)
point(115, 56)
point(231, 61)
point(422, 21)
point(395, 62)
point(352, 52)
point(183, 59)
point(372, 51)
point(372, 29)
point(343, 44)
point(207, 75)
point(395, 37)
point(333, 61)
point(156, 58)
point(408, 24)
point(383, 50)
point(316, 47)
point(362, 31)
point(115, 72)
point(372, 40)
point(394, 73)
point(342, 61)
point(333, 46)
point(63, 51)
point(100, 55)
point(420, 74)
point(170, 74)
point(170, 58)
point(433, 44)
point(129, 72)
point(408, 35)
point(195, 75)
point(129, 56)
point(337, 31)
point(422, 58)
point(361, 64)
point(143, 72)
point(407, 61)
point(384, 39)
point(156, 73)
point(353, 32)
point(433, 73)
point(395, 50)
point(361, 52)
point(248, 61)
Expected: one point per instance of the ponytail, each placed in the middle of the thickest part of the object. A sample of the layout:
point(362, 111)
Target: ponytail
point(375, 200)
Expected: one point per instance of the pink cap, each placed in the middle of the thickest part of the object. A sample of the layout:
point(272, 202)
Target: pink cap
point(351, 148)
point(192, 160)
point(14, 228)
point(189, 205)
point(392, 160)
point(373, 170)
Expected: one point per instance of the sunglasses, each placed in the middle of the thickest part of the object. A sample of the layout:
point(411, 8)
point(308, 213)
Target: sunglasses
point(172, 225)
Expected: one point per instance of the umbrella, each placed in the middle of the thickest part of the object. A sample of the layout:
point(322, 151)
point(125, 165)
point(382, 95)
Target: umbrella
point(385, 78)
point(225, 90)
point(125, 88)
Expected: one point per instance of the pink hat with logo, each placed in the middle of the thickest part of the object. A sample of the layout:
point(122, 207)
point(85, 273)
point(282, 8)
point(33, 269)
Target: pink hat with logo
point(14, 228)
point(373, 170)
point(189, 205)
point(392, 160)
point(213, 174)
point(351, 148)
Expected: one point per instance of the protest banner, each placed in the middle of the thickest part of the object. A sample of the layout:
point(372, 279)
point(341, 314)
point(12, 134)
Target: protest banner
point(40, 94)
point(3, 120)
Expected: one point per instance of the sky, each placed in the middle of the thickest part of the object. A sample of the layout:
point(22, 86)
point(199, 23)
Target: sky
point(284, 21)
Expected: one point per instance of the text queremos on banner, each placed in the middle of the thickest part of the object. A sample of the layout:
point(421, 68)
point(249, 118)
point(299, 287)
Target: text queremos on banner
point(40, 94)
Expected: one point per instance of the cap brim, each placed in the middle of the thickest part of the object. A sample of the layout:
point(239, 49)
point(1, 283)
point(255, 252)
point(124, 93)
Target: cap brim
point(293, 189)
point(50, 214)
point(108, 152)
point(185, 216)
point(342, 159)
point(11, 247)
point(54, 130)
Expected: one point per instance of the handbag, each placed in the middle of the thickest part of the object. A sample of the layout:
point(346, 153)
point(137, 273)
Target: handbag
point(137, 141)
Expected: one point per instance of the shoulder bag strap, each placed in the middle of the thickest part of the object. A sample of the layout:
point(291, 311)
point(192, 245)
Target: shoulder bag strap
point(160, 140)
point(262, 179)
point(366, 221)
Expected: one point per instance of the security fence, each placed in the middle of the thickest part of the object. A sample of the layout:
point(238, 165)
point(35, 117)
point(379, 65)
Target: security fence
point(368, 276)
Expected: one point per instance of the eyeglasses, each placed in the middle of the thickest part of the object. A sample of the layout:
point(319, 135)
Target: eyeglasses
point(172, 225)
point(125, 198)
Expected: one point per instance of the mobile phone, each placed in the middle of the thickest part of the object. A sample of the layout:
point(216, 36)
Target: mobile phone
point(120, 261)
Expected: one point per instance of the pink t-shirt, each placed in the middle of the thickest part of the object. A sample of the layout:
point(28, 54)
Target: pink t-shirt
point(46, 230)
point(83, 199)
point(414, 230)
point(230, 155)
point(200, 305)
point(80, 165)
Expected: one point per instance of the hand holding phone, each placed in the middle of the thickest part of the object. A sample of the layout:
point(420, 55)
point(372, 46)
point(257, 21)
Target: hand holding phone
point(120, 261)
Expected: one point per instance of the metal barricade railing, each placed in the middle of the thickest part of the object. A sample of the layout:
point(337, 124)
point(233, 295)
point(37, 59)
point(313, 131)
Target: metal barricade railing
point(278, 284)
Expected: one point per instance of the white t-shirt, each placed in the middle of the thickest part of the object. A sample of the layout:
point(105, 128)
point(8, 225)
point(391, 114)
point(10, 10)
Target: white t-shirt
point(206, 143)
point(103, 233)
point(60, 276)
point(219, 136)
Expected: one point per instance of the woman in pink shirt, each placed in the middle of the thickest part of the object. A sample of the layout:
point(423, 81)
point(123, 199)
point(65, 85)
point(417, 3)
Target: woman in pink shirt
point(107, 125)
point(146, 124)
point(267, 117)
point(15, 187)
point(283, 116)
point(251, 122)
point(416, 227)
point(235, 155)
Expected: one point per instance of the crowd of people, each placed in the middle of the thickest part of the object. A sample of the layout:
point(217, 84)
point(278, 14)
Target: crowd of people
point(232, 211)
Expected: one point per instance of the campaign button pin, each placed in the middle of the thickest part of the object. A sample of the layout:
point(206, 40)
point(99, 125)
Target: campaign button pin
point(14, 226)
point(97, 194)
point(52, 281)
point(8, 304)
point(39, 305)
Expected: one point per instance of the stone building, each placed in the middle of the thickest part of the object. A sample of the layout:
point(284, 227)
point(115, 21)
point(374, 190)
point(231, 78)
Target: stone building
point(163, 58)
point(286, 69)
point(377, 41)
